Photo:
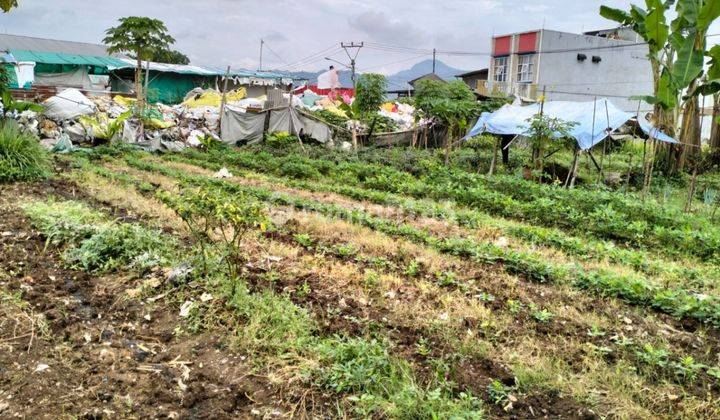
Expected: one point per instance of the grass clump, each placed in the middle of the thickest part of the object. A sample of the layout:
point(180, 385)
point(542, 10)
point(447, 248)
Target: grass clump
point(273, 323)
point(93, 242)
point(64, 222)
point(382, 385)
point(121, 246)
point(22, 158)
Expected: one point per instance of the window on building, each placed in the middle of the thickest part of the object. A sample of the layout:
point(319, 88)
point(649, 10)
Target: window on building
point(500, 69)
point(525, 69)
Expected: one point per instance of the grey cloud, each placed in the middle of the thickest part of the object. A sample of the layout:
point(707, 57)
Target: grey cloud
point(379, 27)
point(223, 32)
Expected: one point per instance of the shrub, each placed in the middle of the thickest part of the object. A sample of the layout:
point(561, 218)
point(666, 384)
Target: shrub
point(64, 222)
point(209, 211)
point(299, 170)
point(281, 140)
point(121, 246)
point(22, 158)
point(370, 92)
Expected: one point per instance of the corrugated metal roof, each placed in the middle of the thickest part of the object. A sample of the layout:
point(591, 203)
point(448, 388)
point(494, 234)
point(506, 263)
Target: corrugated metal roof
point(202, 71)
point(64, 58)
point(27, 43)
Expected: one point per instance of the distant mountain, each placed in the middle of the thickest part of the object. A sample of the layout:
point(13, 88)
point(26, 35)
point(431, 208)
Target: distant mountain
point(396, 81)
point(400, 79)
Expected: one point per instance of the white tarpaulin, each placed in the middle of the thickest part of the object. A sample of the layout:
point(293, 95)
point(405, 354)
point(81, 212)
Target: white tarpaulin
point(68, 105)
point(595, 120)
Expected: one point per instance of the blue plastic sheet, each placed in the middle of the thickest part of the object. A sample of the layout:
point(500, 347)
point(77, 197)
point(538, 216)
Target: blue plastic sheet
point(595, 120)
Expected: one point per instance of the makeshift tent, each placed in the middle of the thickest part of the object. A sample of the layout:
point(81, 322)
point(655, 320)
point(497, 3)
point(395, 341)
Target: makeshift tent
point(596, 120)
point(238, 126)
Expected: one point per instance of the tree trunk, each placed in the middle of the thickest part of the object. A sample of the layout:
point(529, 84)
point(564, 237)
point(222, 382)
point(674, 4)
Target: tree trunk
point(715, 131)
point(138, 85)
point(690, 132)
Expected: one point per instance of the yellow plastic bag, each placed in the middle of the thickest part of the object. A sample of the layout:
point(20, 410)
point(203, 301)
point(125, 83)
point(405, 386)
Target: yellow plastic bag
point(214, 98)
point(124, 101)
point(154, 123)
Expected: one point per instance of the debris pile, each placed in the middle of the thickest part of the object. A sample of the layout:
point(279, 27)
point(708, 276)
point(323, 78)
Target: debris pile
point(71, 118)
point(74, 117)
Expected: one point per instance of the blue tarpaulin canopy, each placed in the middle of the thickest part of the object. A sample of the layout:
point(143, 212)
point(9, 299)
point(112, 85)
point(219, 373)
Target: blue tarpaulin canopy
point(595, 120)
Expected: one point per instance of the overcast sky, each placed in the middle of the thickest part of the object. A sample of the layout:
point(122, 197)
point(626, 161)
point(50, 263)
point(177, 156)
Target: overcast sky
point(228, 32)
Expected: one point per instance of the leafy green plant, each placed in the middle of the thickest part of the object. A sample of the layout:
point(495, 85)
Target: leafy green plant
point(12, 106)
point(543, 316)
point(514, 306)
point(498, 392)
point(210, 213)
point(370, 92)
point(120, 246)
point(413, 269)
point(209, 142)
point(547, 132)
point(280, 140)
point(687, 369)
point(655, 358)
point(299, 170)
point(22, 158)
point(95, 244)
point(305, 240)
point(64, 222)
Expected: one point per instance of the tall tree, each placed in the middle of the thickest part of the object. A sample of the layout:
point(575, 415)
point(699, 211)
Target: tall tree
point(6, 5)
point(171, 57)
point(142, 37)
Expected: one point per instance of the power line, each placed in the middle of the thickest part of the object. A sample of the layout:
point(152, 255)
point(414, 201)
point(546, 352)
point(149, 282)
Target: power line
point(393, 62)
point(274, 53)
point(303, 61)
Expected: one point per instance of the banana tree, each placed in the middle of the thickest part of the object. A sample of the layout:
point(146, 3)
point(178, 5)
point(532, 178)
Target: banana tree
point(651, 25)
point(684, 48)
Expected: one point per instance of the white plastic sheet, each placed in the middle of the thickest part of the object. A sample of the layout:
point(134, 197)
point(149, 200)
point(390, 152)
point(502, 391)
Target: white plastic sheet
point(595, 120)
point(68, 105)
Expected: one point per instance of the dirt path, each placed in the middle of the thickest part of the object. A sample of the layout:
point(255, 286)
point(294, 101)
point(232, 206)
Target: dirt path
point(102, 354)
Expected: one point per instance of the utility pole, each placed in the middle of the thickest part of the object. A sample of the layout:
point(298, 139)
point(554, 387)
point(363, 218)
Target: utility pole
point(434, 54)
point(262, 44)
point(347, 46)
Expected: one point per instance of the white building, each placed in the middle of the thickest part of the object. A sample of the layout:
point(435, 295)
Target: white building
point(571, 67)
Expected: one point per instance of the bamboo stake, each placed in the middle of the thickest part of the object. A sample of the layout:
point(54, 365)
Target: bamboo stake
point(629, 173)
point(494, 159)
point(224, 99)
point(691, 192)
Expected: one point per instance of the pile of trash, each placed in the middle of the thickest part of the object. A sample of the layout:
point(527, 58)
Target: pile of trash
point(72, 118)
point(401, 113)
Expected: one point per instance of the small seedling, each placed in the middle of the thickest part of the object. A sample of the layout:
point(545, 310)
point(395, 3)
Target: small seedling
point(303, 291)
point(485, 297)
point(687, 369)
point(498, 392)
point(304, 240)
point(544, 316)
point(514, 306)
point(422, 347)
point(372, 279)
point(595, 331)
point(345, 251)
point(413, 269)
